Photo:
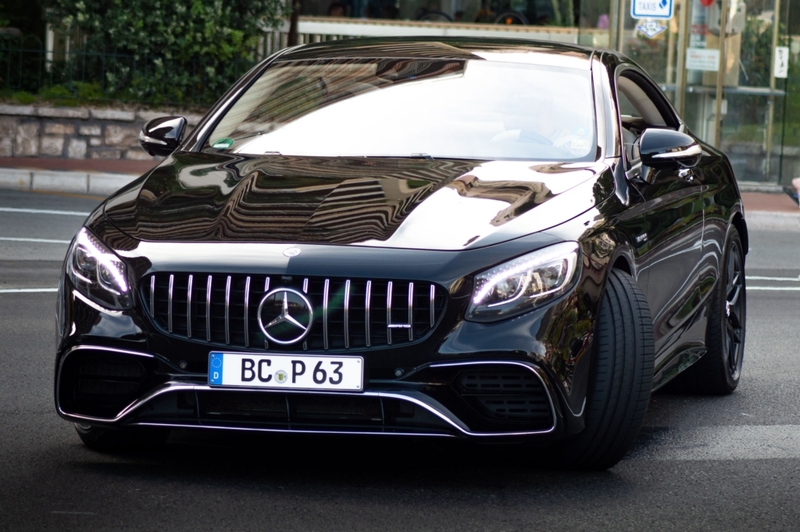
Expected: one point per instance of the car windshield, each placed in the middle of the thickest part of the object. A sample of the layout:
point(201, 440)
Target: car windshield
point(440, 108)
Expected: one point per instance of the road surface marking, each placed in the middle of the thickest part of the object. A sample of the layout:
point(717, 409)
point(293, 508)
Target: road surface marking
point(37, 240)
point(26, 290)
point(776, 279)
point(44, 211)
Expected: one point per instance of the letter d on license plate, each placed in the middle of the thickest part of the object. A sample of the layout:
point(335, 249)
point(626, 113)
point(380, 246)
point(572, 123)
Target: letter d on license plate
point(293, 372)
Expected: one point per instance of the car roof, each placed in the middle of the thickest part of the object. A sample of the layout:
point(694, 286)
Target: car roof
point(434, 48)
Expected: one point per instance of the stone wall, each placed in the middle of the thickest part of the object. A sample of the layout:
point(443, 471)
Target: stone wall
point(75, 132)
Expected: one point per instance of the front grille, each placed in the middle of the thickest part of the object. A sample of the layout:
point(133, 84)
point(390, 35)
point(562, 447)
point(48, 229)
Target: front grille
point(513, 394)
point(348, 313)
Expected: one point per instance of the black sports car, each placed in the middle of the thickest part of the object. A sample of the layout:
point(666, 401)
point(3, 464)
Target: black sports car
point(487, 239)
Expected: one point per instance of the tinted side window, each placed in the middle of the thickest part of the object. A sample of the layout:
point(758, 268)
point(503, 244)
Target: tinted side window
point(641, 106)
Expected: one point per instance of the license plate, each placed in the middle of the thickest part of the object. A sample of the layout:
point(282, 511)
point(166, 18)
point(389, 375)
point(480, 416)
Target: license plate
point(291, 372)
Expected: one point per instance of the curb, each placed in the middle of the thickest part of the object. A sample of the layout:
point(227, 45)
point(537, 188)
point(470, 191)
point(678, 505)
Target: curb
point(752, 186)
point(93, 183)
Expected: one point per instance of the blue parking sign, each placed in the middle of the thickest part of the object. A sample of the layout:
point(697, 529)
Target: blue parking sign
point(661, 9)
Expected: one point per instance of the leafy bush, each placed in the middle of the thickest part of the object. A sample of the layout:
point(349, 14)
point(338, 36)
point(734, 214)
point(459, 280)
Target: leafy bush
point(176, 51)
point(24, 98)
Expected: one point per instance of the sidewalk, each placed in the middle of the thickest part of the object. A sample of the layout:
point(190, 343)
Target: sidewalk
point(99, 177)
point(96, 177)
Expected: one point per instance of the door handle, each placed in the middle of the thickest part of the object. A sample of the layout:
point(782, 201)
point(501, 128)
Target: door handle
point(686, 174)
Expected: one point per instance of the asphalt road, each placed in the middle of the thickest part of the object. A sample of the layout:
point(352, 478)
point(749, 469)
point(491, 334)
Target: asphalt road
point(729, 463)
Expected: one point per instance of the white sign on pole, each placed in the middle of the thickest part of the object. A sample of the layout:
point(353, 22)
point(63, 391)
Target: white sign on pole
point(702, 59)
point(781, 66)
point(652, 9)
point(651, 28)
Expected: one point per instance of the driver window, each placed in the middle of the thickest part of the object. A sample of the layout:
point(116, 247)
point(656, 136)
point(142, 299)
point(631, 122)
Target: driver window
point(641, 106)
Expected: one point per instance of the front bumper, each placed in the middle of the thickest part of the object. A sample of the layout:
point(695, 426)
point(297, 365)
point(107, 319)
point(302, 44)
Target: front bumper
point(110, 386)
point(519, 378)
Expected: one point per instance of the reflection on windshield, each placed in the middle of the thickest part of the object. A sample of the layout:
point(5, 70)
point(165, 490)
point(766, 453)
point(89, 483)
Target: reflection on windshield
point(474, 109)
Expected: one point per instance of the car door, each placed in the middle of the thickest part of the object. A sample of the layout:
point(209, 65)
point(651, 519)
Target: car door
point(672, 244)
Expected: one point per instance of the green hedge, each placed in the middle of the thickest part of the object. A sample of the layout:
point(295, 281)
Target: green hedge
point(162, 51)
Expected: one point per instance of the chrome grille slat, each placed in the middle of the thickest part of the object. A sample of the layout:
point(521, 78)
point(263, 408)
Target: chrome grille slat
point(153, 296)
point(367, 321)
point(411, 312)
point(228, 311)
point(169, 312)
point(347, 314)
point(189, 306)
point(325, 294)
point(432, 302)
point(266, 289)
point(223, 310)
point(208, 309)
point(246, 312)
point(389, 312)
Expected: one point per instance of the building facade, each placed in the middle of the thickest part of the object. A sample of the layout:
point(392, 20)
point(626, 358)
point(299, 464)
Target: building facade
point(740, 92)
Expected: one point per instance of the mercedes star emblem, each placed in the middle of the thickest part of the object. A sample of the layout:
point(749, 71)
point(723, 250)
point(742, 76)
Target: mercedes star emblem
point(285, 315)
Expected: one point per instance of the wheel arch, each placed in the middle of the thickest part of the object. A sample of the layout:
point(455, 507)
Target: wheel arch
point(740, 224)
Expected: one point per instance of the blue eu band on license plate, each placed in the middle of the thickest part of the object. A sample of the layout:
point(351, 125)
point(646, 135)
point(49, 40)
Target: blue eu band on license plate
point(298, 372)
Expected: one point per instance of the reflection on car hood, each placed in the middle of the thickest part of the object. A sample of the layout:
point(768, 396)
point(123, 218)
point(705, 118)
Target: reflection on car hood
point(393, 202)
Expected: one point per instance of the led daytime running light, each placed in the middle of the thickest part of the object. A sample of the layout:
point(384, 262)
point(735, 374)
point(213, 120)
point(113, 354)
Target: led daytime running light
point(103, 258)
point(527, 265)
point(524, 283)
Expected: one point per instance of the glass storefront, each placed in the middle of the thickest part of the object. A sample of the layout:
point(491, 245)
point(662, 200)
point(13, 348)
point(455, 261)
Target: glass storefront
point(750, 108)
point(741, 107)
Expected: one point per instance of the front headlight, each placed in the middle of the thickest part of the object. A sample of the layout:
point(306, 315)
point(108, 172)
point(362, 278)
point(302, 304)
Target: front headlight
point(97, 272)
point(524, 283)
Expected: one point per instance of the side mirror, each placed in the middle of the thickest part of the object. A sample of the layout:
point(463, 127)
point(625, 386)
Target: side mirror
point(660, 148)
point(665, 148)
point(162, 136)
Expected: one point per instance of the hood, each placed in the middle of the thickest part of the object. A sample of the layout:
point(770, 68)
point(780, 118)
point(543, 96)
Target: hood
point(381, 202)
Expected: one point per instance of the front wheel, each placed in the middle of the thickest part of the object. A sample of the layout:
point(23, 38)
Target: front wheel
point(621, 381)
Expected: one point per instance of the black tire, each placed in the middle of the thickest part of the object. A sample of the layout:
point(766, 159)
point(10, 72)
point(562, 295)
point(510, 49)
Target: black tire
point(719, 370)
point(621, 379)
point(104, 440)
